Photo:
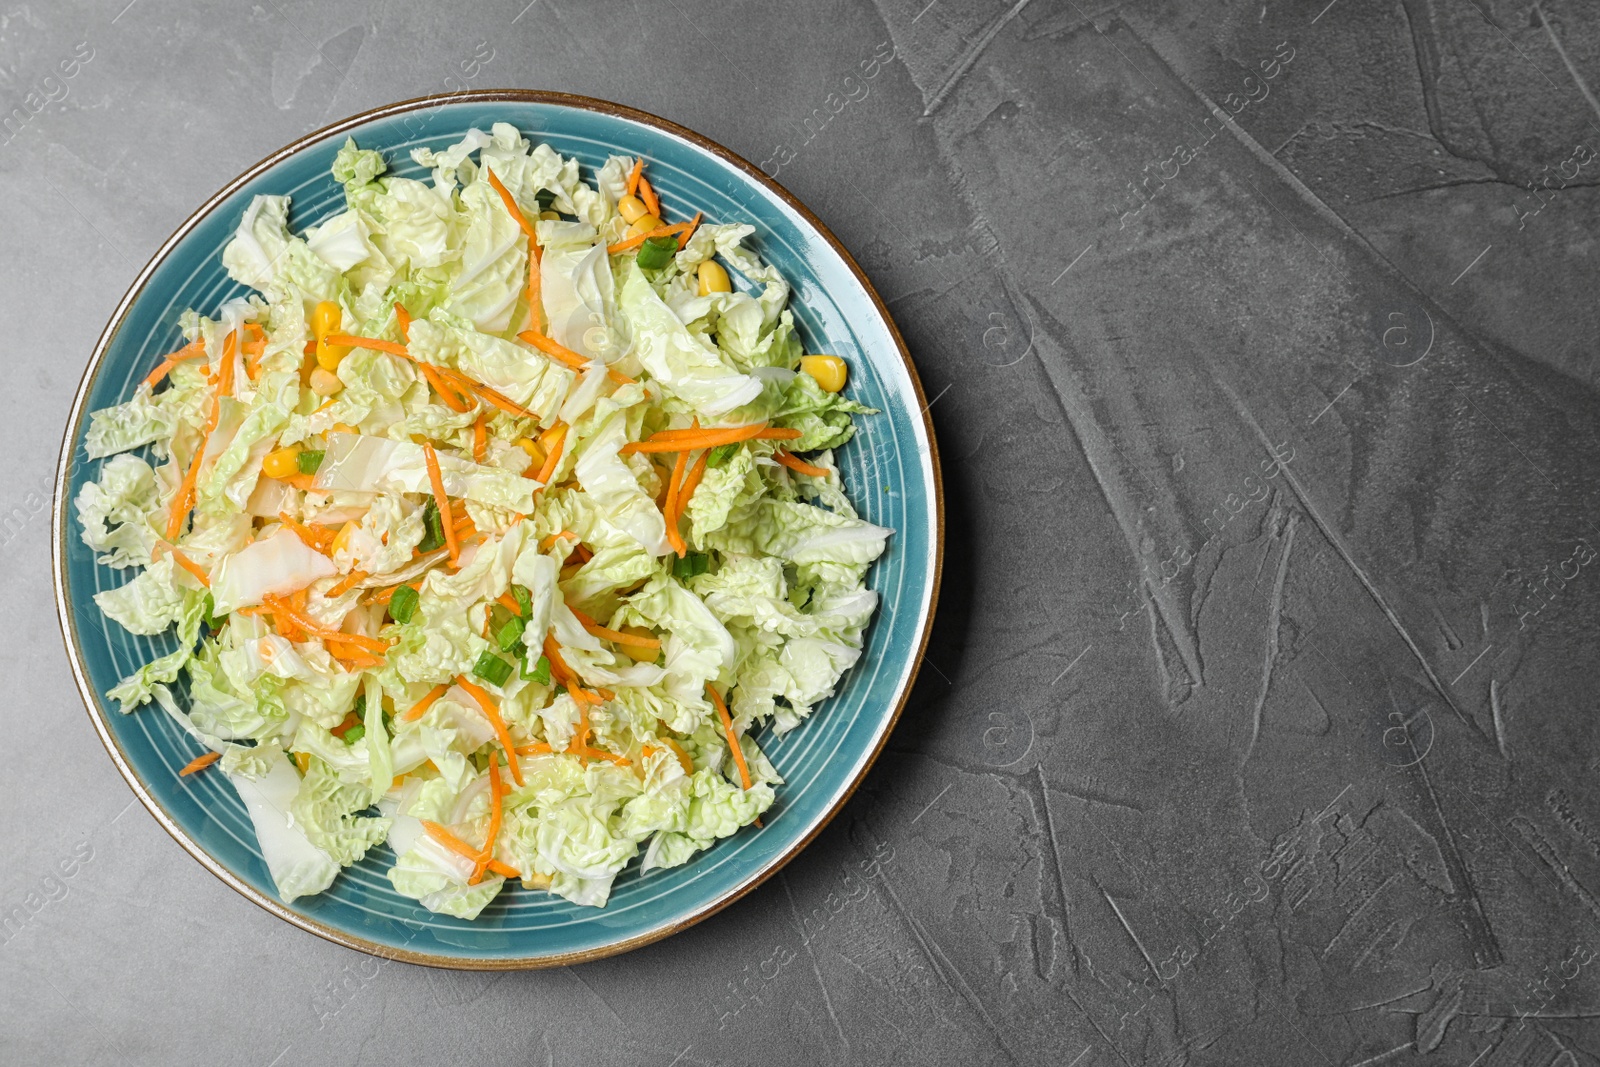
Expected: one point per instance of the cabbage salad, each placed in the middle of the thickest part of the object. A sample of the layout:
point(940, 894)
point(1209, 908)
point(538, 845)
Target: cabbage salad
point(489, 527)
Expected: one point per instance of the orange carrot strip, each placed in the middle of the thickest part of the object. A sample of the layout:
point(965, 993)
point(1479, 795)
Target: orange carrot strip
point(683, 757)
point(693, 225)
point(436, 478)
point(499, 400)
point(704, 439)
point(503, 870)
point(199, 763)
point(184, 500)
point(402, 319)
point(733, 740)
point(538, 748)
point(496, 792)
point(670, 507)
point(453, 400)
point(554, 349)
point(647, 193)
point(420, 708)
point(278, 606)
point(351, 341)
point(549, 469)
point(185, 562)
point(314, 540)
point(545, 545)
point(616, 637)
point(193, 350)
point(511, 205)
point(450, 840)
point(480, 438)
point(510, 603)
point(486, 702)
point(690, 484)
point(349, 582)
point(634, 175)
point(535, 298)
point(794, 463)
point(630, 243)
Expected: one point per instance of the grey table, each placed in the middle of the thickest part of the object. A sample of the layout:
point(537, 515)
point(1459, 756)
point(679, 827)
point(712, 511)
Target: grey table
point(1258, 725)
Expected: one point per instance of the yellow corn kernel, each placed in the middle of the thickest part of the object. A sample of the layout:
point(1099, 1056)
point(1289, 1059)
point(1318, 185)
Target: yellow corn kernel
point(713, 279)
point(639, 655)
point(632, 209)
point(326, 318)
point(829, 371)
point(536, 455)
point(330, 356)
point(547, 440)
point(643, 224)
point(325, 382)
point(550, 216)
point(282, 462)
point(342, 427)
point(341, 539)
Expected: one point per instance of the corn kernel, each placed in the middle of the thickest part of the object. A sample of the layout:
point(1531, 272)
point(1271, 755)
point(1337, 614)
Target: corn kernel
point(639, 655)
point(342, 427)
point(341, 540)
point(282, 462)
point(829, 371)
point(642, 225)
point(330, 356)
point(326, 318)
point(325, 382)
point(548, 439)
point(632, 209)
point(550, 216)
point(713, 279)
point(536, 455)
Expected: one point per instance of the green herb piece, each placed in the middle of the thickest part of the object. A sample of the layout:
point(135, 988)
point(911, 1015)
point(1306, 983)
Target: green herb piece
point(310, 461)
point(433, 539)
point(722, 453)
point(692, 564)
point(657, 252)
point(403, 604)
point(354, 734)
point(491, 668)
point(540, 672)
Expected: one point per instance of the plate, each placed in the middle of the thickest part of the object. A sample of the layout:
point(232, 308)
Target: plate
point(890, 469)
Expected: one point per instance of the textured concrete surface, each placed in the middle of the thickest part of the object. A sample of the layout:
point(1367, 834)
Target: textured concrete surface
point(1259, 724)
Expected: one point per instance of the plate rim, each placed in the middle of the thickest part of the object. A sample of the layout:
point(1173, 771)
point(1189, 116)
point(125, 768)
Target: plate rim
point(60, 530)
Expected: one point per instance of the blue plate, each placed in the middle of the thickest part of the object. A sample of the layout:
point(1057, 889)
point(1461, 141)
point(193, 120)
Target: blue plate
point(891, 470)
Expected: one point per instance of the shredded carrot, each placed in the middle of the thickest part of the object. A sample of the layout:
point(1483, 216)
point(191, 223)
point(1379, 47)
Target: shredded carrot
point(684, 441)
point(193, 350)
point(549, 542)
point(502, 402)
point(496, 792)
point(683, 757)
point(693, 225)
point(509, 602)
point(670, 508)
point(634, 175)
point(503, 870)
point(639, 239)
point(647, 193)
point(554, 349)
point(450, 840)
point(616, 637)
point(349, 582)
point(566, 675)
point(199, 763)
point(453, 400)
point(184, 499)
point(436, 478)
point(538, 748)
point(511, 205)
point(486, 702)
point(279, 607)
point(794, 463)
point(351, 341)
point(184, 561)
point(727, 729)
point(317, 541)
point(480, 438)
point(402, 319)
point(302, 482)
point(535, 299)
point(690, 484)
point(420, 708)
point(549, 469)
